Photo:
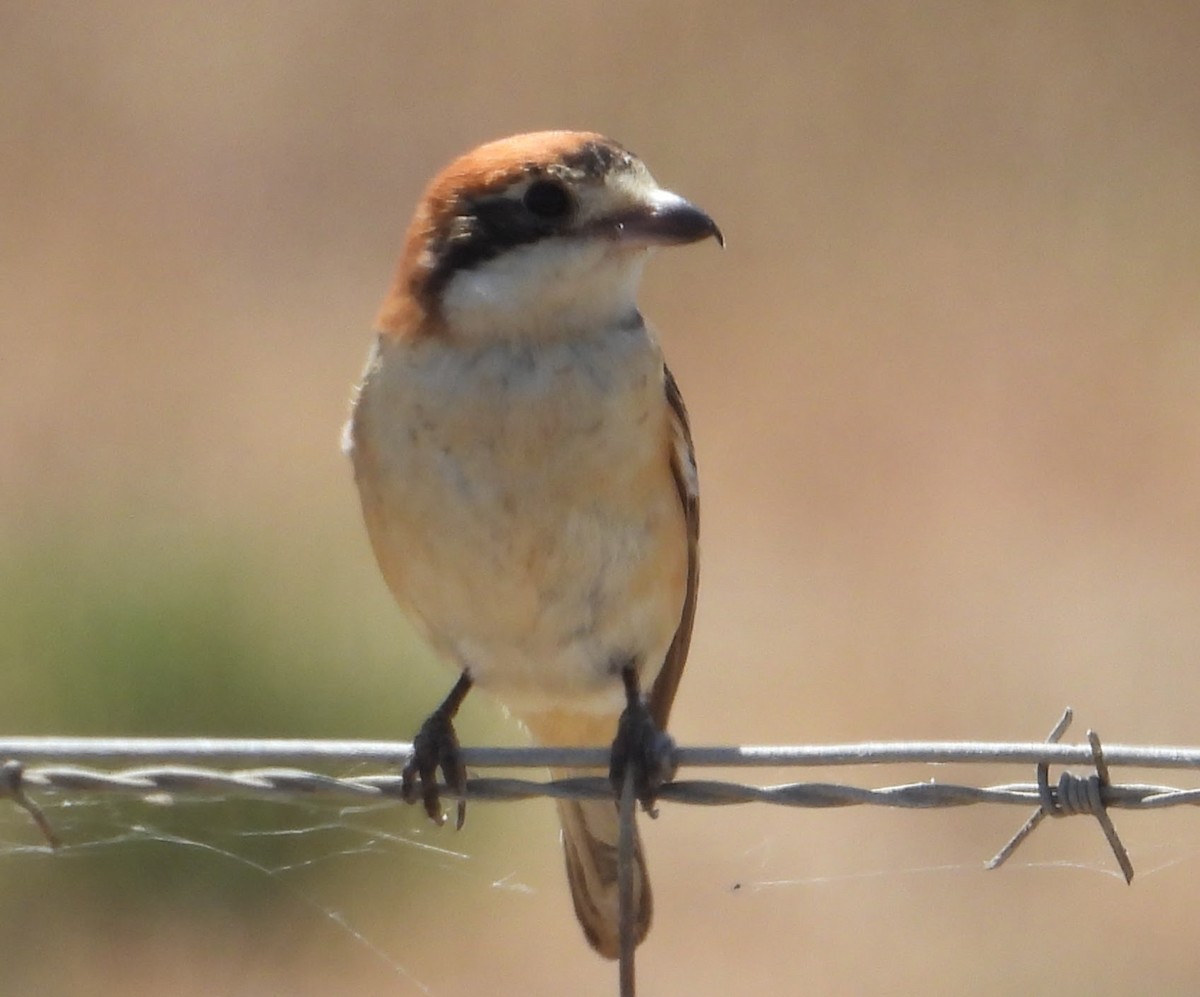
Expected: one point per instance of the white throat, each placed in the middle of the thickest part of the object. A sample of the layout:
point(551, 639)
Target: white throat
point(551, 288)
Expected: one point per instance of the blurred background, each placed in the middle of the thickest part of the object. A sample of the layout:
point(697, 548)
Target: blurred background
point(943, 384)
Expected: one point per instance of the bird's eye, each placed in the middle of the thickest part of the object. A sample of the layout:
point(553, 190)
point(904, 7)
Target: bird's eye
point(547, 199)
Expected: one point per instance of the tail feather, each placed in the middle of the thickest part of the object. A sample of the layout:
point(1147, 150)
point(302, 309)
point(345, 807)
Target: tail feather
point(590, 836)
point(590, 833)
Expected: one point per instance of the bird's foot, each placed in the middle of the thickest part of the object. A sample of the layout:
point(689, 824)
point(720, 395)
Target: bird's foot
point(641, 748)
point(436, 747)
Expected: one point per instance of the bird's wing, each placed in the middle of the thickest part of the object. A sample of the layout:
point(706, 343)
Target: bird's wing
point(683, 468)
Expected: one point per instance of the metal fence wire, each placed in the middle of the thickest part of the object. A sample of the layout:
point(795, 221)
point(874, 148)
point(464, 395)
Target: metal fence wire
point(31, 767)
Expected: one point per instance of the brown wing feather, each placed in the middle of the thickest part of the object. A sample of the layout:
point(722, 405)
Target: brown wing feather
point(683, 467)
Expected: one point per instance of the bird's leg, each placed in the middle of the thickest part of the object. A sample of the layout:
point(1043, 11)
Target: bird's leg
point(436, 747)
point(640, 745)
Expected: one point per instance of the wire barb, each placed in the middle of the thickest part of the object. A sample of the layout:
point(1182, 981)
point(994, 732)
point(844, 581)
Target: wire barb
point(1101, 812)
point(12, 779)
point(1073, 795)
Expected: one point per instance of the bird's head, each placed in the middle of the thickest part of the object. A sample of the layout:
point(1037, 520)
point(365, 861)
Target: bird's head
point(535, 236)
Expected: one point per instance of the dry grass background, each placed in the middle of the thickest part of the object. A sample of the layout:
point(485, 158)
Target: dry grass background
point(943, 383)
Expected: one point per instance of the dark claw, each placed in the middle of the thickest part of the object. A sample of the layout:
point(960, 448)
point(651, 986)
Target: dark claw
point(435, 747)
point(643, 747)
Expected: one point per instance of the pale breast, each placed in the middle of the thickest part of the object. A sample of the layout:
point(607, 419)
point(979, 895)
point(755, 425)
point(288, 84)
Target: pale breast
point(521, 504)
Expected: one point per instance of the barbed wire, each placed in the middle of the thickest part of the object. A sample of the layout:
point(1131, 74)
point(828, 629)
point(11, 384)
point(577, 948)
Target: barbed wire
point(63, 766)
point(196, 781)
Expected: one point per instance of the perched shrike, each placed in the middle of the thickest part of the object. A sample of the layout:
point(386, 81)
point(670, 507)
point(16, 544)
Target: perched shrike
point(526, 469)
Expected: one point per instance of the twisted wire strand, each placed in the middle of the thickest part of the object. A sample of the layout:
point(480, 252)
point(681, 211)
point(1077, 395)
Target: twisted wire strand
point(196, 781)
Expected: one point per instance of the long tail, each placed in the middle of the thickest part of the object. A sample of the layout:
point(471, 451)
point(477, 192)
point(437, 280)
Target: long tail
point(589, 836)
point(590, 832)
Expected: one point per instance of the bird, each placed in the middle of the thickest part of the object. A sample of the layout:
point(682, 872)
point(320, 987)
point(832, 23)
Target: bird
point(527, 474)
